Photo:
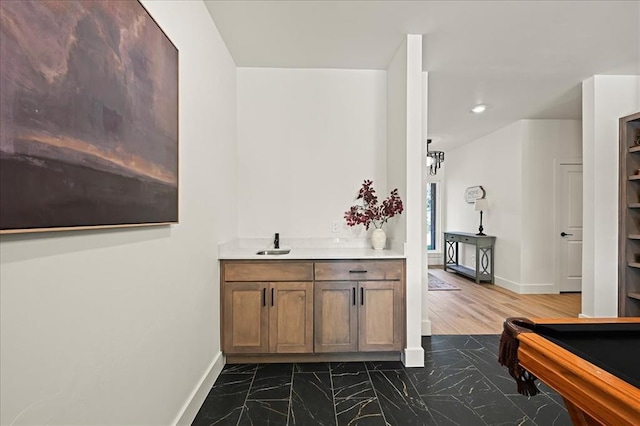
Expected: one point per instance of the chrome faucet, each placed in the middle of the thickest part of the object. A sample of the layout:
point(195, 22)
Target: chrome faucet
point(276, 241)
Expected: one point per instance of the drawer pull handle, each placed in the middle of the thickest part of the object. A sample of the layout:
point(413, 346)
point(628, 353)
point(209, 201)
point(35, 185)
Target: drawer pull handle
point(357, 271)
point(362, 295)
point(354, 296)
point(264, 296)
point(271, 296)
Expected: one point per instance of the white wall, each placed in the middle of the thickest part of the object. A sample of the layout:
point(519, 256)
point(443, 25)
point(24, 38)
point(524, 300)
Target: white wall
point(545, 143)
point(493, 162)
point(605, 99)
point(120, 326)
point(515, 166)
point(396, 166)
point(307, 139)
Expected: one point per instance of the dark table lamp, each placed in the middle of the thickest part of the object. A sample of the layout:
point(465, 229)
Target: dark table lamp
point(481, 205)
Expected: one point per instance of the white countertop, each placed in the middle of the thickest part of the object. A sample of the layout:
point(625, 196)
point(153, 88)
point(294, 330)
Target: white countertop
point(305, 249)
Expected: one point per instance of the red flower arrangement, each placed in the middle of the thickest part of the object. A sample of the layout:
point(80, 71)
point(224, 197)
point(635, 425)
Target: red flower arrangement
point(368, 211)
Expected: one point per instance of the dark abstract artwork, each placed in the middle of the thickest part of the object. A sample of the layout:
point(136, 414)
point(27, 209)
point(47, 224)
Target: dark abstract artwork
point(89, 116)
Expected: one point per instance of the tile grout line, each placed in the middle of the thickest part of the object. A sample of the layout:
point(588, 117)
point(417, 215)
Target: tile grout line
point(473, 366)
point(491, 381)
point(404, 369)
point(480, 358)
point(483, 375)
point(375, 392)
point(244, 405)
point(290, 407)
point(333, 394)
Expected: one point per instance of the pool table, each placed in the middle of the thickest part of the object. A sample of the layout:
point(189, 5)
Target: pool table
point(594, 364)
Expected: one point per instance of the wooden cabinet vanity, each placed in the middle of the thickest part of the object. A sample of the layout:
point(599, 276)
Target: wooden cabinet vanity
point(267, 307)
point(305, 310)
point(359, 306)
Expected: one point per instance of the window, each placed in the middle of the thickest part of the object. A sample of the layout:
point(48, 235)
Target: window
point(432, 236)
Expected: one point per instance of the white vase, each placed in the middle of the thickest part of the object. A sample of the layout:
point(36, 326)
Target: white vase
point(378, 239)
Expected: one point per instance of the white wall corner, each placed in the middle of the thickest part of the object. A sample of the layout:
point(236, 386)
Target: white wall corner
point(413, 357)
point(196, 398)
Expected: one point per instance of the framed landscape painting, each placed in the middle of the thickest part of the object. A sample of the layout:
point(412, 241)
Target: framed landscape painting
point(89, 116)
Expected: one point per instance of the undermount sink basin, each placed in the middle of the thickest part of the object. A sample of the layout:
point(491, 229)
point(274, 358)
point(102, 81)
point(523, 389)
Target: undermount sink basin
point(274, 252)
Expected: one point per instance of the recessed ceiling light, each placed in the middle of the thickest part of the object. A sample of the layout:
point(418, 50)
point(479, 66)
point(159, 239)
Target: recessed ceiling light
point(478, 108)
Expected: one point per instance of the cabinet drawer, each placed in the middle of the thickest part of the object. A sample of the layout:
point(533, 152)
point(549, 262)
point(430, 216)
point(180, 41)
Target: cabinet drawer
point(460, 239)
point(453, 238)
point(358, 270)
point(268, 271)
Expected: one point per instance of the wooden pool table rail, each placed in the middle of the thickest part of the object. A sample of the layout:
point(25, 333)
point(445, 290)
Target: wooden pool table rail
point(633, 320)
point(592, 396)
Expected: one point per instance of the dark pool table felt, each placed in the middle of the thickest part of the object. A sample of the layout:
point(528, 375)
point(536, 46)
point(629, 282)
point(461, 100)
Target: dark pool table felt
point(613, 347)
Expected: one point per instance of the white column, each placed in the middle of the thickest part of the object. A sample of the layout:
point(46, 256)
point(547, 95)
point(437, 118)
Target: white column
point(415, 249)
point(426, 322)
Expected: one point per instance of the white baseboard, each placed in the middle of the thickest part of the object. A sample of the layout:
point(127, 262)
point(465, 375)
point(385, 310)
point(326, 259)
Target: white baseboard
point(200, 392)
point(434, 259)
point(581, 315)
point(546, 288)
point(413, 357)
point(426, 327)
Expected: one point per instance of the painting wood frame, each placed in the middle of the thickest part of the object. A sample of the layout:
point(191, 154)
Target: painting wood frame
point(88, 117)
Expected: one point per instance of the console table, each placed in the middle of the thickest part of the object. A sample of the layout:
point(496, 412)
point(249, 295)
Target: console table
point(484, 255)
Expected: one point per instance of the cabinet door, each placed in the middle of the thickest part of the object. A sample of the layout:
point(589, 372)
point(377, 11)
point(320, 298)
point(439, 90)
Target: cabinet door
point(336, 319)
point(380, 316)
point(246, 318)
point(291, 317)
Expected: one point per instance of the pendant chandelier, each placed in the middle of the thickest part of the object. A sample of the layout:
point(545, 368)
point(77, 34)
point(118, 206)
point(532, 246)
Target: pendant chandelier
point(434, 159)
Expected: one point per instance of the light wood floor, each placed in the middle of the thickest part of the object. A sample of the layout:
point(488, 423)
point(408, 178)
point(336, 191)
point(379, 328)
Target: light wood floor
point(481, 309)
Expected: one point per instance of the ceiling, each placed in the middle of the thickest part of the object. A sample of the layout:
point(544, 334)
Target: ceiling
point(524, 59)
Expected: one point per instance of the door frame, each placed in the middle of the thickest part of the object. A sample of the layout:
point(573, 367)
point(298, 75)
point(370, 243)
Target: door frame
point(557, 247)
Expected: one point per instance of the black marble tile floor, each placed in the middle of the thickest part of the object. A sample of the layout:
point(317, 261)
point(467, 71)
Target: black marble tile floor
point(461, 384)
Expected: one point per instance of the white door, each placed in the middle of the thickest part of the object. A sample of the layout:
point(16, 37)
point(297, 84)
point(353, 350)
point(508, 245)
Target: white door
point(568, 227)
